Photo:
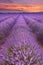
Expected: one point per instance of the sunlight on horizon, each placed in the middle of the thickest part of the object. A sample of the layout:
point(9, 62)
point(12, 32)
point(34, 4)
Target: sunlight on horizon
point(28, 8)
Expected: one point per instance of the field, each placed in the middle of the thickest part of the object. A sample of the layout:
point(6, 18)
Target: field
point(21, 39)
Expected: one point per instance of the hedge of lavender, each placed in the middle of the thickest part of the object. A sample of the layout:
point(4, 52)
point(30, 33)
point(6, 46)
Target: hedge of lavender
point(23, 55)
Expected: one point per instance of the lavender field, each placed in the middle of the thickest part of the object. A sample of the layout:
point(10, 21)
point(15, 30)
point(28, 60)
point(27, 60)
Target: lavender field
point(21, 39)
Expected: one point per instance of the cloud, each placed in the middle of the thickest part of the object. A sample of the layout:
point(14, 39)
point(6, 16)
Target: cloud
point(29, 8)
point(23, 1)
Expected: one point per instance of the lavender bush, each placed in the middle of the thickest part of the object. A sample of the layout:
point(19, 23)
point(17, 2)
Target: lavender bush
point(23, 55)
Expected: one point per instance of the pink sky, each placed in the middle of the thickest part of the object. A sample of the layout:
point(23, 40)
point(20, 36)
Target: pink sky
point(25, 2)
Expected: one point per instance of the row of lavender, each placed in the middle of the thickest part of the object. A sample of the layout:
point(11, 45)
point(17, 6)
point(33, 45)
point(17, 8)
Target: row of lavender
point(35, 23)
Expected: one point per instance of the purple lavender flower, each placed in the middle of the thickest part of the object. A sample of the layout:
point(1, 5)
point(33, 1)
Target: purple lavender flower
point(23, 55)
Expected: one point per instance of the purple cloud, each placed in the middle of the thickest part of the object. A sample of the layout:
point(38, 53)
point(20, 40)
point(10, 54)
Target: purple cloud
point(23, 1)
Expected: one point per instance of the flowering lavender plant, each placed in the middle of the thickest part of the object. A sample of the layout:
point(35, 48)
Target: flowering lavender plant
point(23, 55)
